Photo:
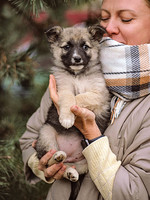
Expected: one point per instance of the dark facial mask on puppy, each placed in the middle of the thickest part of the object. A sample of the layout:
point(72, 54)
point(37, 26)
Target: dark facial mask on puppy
point(73, 49)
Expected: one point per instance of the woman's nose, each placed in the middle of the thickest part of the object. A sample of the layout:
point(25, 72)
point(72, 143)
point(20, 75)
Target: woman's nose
point(112, 27)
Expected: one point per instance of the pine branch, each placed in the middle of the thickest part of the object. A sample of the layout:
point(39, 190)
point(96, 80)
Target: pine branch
point(35, 6)
point(29, 6)
point(16, 66)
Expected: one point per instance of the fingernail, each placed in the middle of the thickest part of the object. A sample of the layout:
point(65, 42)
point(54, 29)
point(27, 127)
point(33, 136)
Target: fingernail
point(60, 164)
point(50, 77)
point(75, 107)
point(63, 168)
point(52, 151)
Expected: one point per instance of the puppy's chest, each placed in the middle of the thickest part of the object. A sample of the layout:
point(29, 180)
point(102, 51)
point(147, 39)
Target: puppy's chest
point(80, 86)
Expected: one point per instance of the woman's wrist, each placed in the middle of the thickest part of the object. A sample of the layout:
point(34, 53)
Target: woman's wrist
point(92, 132)
point(86, 142)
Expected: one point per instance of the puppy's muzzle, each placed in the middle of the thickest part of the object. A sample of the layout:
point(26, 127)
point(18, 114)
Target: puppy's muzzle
point(77, 60)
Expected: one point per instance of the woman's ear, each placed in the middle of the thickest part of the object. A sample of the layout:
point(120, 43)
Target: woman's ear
point(53, 33)
point(97, 32)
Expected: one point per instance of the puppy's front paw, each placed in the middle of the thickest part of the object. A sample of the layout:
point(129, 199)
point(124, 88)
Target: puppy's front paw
point(67, 120)
point(71, 174)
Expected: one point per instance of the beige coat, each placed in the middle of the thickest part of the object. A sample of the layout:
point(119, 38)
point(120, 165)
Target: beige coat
point(129, 139)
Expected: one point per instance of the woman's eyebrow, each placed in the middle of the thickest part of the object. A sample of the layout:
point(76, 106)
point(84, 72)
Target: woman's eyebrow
point(120, 11)
point(104, 10)
point(127, 10)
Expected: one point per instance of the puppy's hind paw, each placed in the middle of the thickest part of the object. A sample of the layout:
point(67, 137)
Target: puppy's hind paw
point(58, 157)
point(71, 174)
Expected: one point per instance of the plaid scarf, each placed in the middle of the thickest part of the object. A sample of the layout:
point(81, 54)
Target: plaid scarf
point(126, 68)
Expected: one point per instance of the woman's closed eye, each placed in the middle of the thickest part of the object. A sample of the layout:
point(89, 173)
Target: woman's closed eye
point(104, 16)
point(127, 20)
point(126, 16)
point(104, 19)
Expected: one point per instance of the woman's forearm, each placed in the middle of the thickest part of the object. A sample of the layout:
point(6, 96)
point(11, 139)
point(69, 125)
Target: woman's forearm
point(102, 165)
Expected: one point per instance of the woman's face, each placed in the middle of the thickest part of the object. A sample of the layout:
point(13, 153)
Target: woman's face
point(126, 21)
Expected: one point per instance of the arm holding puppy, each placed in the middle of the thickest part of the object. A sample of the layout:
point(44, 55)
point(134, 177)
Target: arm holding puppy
point(39, 168)
point(35, 169)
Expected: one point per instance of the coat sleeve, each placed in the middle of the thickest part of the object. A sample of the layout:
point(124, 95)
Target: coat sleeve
point(132, 180)
point(33, 126)
point(102, 165)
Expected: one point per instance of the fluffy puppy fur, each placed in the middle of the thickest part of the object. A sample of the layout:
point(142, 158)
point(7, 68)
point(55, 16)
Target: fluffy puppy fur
point(79, 79)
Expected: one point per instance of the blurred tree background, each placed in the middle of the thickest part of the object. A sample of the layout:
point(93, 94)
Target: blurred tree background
point(24, 73)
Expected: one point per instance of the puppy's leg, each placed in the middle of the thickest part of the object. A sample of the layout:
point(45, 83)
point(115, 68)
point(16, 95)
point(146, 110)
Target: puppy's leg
point(66, 117)
point(47, 137)
point(47, 141)
point(92, 100)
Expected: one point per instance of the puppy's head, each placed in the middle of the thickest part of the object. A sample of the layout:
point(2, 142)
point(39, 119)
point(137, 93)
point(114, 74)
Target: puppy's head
point(75, 49)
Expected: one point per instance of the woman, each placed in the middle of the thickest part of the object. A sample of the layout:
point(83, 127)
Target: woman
point(119, 162)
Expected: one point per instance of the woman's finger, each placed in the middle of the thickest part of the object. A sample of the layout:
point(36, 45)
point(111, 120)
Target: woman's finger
point(34, 143)
point(60, 173)
point(53, 89)
point(83, 113)
point(44, 160)
point(53, 92)
point(53, 170)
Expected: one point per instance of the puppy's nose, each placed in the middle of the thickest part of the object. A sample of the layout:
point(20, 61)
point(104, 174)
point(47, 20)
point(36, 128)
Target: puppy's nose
point(77, 59)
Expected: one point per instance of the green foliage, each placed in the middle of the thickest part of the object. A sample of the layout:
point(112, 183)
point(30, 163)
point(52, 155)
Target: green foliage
point(11, 27)
point(29, 6)
point(17, 66)
point(14, 65)
point(35, 6)
point(12, 180)
point(15, 108)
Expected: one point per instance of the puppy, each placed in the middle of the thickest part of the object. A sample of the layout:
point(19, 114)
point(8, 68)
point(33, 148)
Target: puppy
point(80, 82)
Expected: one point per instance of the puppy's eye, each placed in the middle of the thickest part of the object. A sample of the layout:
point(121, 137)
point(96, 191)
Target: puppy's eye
point(66, 47)
point(85, 47)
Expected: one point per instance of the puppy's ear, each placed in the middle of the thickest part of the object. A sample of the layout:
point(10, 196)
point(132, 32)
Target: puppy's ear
point(97, 32)
point(53, 33)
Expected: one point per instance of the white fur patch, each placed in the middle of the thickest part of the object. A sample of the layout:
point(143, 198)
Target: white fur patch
point(77, 68)
point(71, 174)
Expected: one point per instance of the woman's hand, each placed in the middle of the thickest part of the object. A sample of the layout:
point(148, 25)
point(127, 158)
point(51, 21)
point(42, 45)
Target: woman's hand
point(53, 91)
point(85, 122)
point(55, 171)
